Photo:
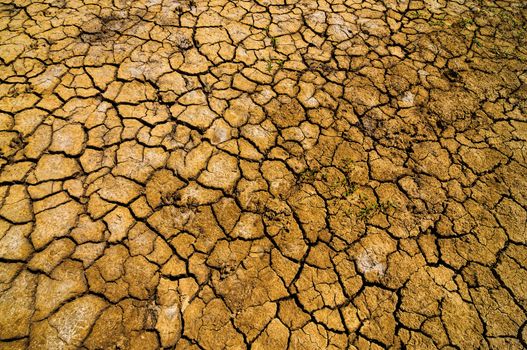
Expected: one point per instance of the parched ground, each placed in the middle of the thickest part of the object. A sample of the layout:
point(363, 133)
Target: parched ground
point(265, 174)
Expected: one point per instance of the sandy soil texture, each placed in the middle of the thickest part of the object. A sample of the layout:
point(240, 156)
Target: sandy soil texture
point(263, 174)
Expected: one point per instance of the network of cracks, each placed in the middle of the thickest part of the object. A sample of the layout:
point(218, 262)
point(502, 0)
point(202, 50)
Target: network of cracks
point(265, 174)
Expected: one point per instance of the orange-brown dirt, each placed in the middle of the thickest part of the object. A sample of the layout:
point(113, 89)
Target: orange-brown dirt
point(264, 174)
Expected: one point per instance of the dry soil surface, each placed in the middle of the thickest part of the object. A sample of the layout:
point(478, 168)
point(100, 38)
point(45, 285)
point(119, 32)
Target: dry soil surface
point(265, 174)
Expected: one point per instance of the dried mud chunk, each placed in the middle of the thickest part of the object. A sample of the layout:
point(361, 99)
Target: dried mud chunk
point(383, 169)
point(433, 159)
point(137, 162)
point(209, 324)
point(144, 341)
point(38, 142)
point(240, 82)
point(376, 309)
point(227, 256)
point(169, 310)
point(452, 105)
point(55, 222)
point(371, 254)
point(190, 164)
point(88, 230)
point(291, 315)
point(14, 241)
point(52, 256)
point(21, 344)
point(137, 315)
point(418, 340)
point(174, 267)
point(10, 52)
point(98, 207)
point(246, 150)
point(65, 282)
point(249, 226)
point(203, 232)
point(119, 221)
point(311, 211)
point(169, 221)
point(162, 188)
point(18, 103)
point(194, 62)
point(250, 285)
point(69, 139)
point(511, 268)
point(401, 266)
point(513, 177)
point(150, 112)
point(102, 76)
point(15, 172)
point(498, 310)
point(362, 94)
point(140, 208)
point(285, 231)
point(141, 240)
point(87, 253)
point(10, 143)
point(8, 272)
point(105, 275)
point(108, 330)
point(462, 322)
point(274, 336)
point(243, 110)
point(91, 160)
point(119, 189)
point(197, 268)
point(253, 320)
point(481, 160)
point(310, 337)
point(227, 213)
point(69, 326)
point(134, 92)
point(55, 167)
point(330, 318)
point(437, 281)
point(514, 219)
point(222, 172)
point(16, 306)
point(280, 179)
point(220, 132)
point(26, 122)
point(176, 83)
point(141, 276)
point(263, 135)
point(195, 195)
point(457, 251)
point(285, 112)
point(200, 117)
point(318, 288)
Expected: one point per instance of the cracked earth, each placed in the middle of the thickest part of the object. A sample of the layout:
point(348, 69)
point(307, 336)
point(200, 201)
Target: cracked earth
point(265, 174)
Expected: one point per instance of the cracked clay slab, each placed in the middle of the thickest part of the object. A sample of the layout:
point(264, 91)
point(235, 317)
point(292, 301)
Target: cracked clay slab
point(263, 174)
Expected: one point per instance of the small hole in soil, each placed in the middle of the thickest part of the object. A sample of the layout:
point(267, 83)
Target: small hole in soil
point(452, 75)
